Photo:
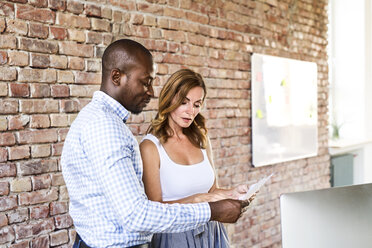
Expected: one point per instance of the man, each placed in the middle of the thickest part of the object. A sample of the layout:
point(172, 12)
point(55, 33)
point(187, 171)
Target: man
point(102, 166)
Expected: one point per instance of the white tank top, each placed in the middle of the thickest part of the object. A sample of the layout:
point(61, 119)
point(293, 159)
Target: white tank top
point(179, 181)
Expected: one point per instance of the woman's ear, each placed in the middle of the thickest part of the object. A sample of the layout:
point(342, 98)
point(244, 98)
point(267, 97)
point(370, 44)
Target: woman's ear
point(115, 76)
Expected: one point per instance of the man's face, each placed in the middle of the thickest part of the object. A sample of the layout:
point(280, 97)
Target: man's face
point(135, 90)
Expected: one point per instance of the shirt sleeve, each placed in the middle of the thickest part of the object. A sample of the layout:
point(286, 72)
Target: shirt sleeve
point(114, 154)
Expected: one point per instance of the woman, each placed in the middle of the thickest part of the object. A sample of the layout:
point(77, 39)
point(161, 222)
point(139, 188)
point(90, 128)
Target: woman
point(177, 160)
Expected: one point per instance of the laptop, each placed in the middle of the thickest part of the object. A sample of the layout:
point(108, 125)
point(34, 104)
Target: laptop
point(338, 217)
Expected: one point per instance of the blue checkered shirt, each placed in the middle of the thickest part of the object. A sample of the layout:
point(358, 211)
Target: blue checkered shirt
point(102, 168)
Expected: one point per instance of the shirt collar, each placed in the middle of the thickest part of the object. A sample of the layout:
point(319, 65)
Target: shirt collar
point(119, 109)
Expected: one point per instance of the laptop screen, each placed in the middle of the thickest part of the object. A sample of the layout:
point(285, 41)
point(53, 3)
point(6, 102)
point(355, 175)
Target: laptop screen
point(338, 217)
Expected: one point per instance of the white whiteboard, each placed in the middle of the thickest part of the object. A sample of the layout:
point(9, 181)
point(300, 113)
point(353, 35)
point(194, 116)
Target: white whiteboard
point(284, 109)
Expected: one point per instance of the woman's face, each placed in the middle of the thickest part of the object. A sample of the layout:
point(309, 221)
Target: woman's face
point(184, 115)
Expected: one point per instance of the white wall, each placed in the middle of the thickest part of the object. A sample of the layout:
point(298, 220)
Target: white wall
point(351, 79)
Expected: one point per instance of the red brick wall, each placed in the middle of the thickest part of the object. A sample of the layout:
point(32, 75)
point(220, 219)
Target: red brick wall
point(50, 65)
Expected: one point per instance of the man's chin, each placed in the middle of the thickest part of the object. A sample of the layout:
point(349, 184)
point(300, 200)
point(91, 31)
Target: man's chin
point(136, 111)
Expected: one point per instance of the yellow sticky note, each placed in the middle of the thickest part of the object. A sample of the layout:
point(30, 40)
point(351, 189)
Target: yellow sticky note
point(259, 114)
point(283, 83)
point(270, 99)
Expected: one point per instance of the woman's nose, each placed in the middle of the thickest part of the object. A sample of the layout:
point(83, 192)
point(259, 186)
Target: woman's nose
point(190, 109)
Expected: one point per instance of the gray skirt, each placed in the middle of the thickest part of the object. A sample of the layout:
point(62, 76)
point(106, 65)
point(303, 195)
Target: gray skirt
point(210, 235)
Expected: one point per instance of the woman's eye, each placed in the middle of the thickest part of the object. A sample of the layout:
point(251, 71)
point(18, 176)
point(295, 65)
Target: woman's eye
point(197, 105)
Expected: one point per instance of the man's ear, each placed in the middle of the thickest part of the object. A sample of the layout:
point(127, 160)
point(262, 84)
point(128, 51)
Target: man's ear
point(115, 76)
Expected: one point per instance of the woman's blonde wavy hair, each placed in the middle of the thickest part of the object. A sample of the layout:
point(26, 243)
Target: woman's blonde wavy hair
point(177, 87)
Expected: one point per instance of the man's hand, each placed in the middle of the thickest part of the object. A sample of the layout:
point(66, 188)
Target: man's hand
point(228, 210)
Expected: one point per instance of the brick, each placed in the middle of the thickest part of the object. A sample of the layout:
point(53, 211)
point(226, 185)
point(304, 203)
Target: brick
point(40, 242)
point(23, 231)
point(40, 90)
point(65, 77)
point(41, 182)
point(60, 91)
point(18, 215)
point(106, 12)
point(74, 21)
point(37, 167)
point(93, 65)
point(71, 118)
point(75, 7)
point(3, 92)
point(39, 121)
point(4, 188)
point(87, 78)
point(3, 154)
point(63, 193)
point(7, 9)
point(76, 35)
point(76, 63)
point(149, 20)
point(94, 37)
point(3, 220)
point(57, 149)
point(80, 50)
point(9, 106)
point(99, 52)
point(19, 152)
point(8, 42)
point(8, 202)
point(20, 184)
point(37, 136)
point(59, 120)
point(37, 197)
point(3, 57)
point(57, 179)
point(155, 9)
point(22, 244)
point(101, 25)
point(39, 212)
point(18, 122)
point(58, 33)
point(107, 40)
point(37, 75)
point(3, 123)
point(41, 46)
point(37, 30)
point(18, 58)
point(8, 73)
point(58, 207)
point(16, 26)
point(59, 62)
point(83, 90)
point(39, 3)
point(92, 10)
point(6, 235)
point(39, 106)
point(39, 60)
point(19, 90)
point(7, 139)
point(63, 221)
point(40, 151)
point(27, 12)
point(59, 238)
point(8, 170)
point(57, 5)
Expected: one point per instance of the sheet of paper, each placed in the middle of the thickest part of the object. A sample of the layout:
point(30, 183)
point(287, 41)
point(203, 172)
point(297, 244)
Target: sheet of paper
point(255, 187)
